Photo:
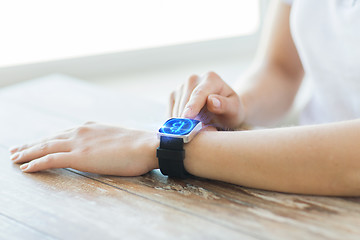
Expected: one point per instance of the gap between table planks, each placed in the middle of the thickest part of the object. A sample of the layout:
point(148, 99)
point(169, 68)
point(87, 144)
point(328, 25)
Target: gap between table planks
point(12, 229)
point(61, 204)
point(238, 210)
point(146, 219)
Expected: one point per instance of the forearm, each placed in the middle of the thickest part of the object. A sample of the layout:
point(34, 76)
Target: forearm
point(272, 86)
point(321, 159)
point(267, 95)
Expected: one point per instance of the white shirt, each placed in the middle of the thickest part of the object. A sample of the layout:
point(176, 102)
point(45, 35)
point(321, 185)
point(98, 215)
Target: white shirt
point(327, 36)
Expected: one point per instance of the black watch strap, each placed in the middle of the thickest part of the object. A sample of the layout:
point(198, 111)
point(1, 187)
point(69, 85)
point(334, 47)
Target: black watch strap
point(171, 156)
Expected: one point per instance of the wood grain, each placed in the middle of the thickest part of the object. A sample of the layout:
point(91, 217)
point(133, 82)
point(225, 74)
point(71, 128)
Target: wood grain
point(252, 211)
point(66, 205)
point(63, 204)
point(71, 99)
point(75, 200)
point(12, 229)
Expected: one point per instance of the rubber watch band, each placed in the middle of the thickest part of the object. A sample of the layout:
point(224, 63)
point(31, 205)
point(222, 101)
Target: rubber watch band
point(171, 156)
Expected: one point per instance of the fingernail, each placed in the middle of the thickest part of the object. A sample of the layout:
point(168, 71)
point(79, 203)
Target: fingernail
point(15, 156)
point(24, 166)
point(216, 102)
point(13, 149)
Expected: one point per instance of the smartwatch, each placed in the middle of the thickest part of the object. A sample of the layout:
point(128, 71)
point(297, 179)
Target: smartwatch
point(173, 134)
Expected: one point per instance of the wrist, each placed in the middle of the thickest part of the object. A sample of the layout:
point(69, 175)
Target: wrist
point(148, 147)
point(244, 109)
point(194, 154)
point(244, 121)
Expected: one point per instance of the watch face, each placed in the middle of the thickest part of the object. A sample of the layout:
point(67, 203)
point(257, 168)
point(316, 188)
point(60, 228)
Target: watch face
point(178, 126)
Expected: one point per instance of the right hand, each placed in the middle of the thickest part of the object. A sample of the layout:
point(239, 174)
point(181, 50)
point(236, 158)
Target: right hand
point(209, 99)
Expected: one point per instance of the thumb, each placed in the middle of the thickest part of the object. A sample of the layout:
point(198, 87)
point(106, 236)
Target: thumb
point(220, 105)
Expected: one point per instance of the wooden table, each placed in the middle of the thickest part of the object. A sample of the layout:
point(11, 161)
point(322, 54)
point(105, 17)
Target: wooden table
point(68, 204)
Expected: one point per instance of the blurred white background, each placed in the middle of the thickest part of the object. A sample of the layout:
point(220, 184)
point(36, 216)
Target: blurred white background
point(142, 46)
point(42, 30)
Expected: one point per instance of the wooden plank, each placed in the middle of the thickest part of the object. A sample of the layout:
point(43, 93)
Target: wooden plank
point(268, 214)
point(68, 98)
point(21, 124)
point(43, 188)
point(258, 213)
point(11, 229)
point(67, 205)
point(19, 128)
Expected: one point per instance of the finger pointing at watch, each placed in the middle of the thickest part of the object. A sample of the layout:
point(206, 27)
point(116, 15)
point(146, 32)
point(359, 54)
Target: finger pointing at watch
point(220, 100)
point(211, 83)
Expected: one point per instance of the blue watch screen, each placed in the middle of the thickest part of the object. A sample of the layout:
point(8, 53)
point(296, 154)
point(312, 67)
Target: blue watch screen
point(178, 126)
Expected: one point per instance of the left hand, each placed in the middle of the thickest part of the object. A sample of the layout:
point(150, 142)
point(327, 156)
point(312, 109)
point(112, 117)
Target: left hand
point(92, 148)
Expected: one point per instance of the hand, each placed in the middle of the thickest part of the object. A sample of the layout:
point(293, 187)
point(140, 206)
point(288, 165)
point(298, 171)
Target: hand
point(210, 100)
point(92, 148)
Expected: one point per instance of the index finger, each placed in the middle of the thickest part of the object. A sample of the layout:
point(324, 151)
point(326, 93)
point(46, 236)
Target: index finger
point(212, 84)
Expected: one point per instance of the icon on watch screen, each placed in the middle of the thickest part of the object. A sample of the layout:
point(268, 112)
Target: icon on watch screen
point(179, 126)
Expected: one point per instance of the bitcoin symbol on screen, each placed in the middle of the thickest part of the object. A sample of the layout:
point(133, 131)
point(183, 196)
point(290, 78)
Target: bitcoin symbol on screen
point(176, 127)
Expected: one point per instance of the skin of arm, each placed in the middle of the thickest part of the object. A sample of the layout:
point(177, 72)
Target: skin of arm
point(269, 88)
point(319, 159)
point(262, 96)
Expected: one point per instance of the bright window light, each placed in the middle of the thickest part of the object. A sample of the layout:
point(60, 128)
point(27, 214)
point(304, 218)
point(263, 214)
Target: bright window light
point(43, 30)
